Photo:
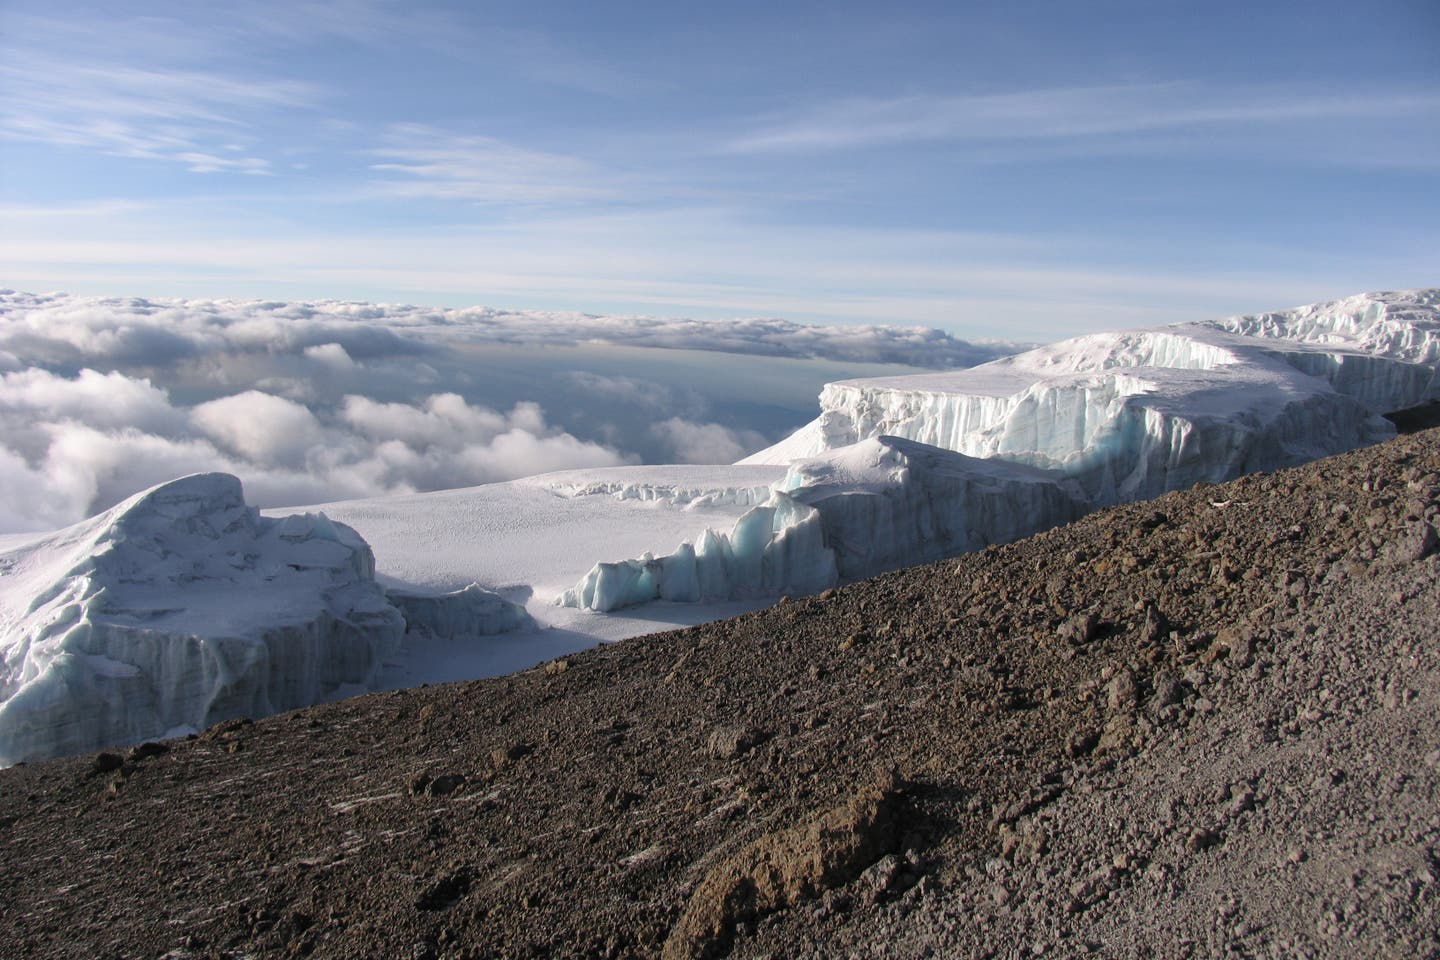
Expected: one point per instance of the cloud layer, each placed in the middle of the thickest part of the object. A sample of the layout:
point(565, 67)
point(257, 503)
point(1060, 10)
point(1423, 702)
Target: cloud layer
point(309, 402)
point(73, 446)
point(61, 329)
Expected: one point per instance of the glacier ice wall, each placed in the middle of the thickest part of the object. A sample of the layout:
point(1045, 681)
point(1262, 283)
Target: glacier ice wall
point(1134, 414)
point(854, 512)
point(908, 469)
point(887, 502)
point(182, 607)
point(775, 548)
point(471, 611)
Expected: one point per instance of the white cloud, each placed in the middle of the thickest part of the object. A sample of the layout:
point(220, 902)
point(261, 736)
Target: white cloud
point(70, 447)
point(103, 400)
point(444, 420)
point(693, 442)
point(332, 355)
point(64, 329)
point(261, 428)
point(1069, 112)
point(420, 161)
point(530, 453)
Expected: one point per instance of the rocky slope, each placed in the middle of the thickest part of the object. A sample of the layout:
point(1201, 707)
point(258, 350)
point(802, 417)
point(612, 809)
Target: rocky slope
point(1204, 725)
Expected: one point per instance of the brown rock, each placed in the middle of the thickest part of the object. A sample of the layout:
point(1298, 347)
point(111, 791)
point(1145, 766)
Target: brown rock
point(783, 868)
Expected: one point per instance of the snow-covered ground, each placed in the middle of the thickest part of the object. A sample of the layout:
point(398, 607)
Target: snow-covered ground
point(529, 540)
point(182, 605)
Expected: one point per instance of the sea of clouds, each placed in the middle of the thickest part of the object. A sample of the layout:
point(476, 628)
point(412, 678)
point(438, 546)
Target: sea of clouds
point(309, 402)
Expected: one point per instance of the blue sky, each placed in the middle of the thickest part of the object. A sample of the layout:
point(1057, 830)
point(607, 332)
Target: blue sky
point(1026, 169)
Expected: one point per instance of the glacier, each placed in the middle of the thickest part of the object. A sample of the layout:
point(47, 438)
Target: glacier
point(1134, 414)
point(908, 469)
point(531, 538)
point(471, 611)
point(875, 505)
point(775, 548)
point(182, 607)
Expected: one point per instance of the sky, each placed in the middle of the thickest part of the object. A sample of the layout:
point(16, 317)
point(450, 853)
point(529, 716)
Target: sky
point(1022, 170)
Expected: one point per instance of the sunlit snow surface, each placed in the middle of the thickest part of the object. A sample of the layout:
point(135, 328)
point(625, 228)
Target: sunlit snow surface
point(532, 539)
point(894, 471)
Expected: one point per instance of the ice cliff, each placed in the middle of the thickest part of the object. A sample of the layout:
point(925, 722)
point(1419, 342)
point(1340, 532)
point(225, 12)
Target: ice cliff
point(907, 469)
point(181, 607)
point(1134, 414)
point(469, 612)
point(878, 504)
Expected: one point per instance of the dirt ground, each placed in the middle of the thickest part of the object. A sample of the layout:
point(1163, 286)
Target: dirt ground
point(1202, 726)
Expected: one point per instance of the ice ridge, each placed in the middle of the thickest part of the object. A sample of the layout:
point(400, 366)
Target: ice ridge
point(1134, 414)
point(182, 607)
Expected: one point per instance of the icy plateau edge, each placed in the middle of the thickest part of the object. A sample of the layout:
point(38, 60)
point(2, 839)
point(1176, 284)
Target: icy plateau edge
point(182, 607)
point(1097, 420)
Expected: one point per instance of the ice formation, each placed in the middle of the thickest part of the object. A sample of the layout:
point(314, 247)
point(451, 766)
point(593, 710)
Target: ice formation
point(887, 502)
point(1134, 414)
point(471, 611)
point(906, 469)
point(1399, 325)
point(181, 607)
point(853, 512)
point(774, 548)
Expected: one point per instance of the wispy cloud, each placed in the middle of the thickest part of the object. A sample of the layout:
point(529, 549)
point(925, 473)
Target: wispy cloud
point(190, 117)
point(420, 161)
point(146, 86)
point(532, 54)
point(19, 213)
point(1067, 113)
